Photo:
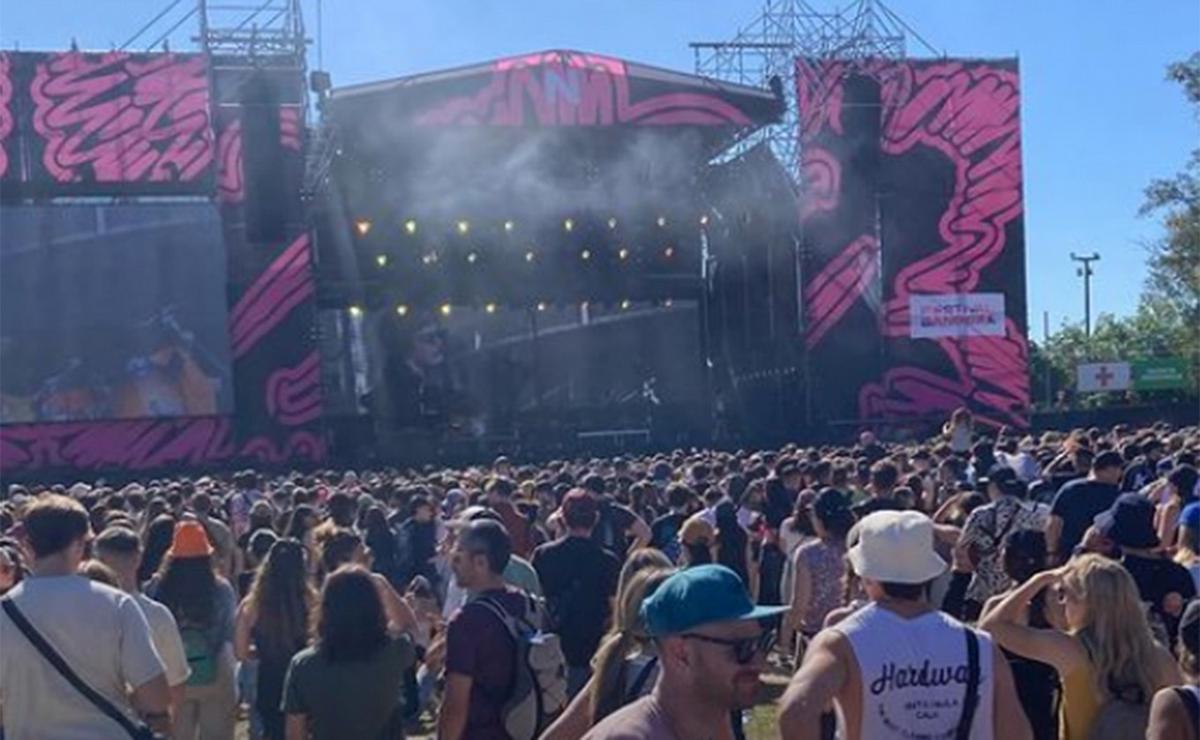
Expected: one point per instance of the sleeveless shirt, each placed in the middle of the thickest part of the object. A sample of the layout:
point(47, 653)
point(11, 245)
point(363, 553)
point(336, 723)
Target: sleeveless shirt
point(915, 674)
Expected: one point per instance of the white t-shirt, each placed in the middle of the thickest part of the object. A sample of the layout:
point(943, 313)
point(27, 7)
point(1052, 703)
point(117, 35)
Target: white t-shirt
point(167, 641)
point(100, 633)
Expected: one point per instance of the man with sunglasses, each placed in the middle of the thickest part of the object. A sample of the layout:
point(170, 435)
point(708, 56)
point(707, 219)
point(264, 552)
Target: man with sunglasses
point(711, 645)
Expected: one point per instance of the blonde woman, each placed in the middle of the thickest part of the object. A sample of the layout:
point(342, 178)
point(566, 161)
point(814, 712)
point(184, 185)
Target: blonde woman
point(622, 669)
point(1106, 651)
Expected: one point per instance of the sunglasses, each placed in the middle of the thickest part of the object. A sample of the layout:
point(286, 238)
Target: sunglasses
point(744, 650)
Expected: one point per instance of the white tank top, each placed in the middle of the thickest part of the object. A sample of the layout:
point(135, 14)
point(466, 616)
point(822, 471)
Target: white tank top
point(914, 674)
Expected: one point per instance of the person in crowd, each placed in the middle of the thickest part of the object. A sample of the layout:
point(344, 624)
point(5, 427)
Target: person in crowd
point(518, 573)
point(733, 544)
point(1181, 492)
point(618, 528)
point(898, 667)
point(500, 492)
point(711, 647)
point(818, 566)
point(417, 538)
point(480, 655)
point(1175, 710)
point(347, 684)
point(219, 534)
point(156, 540)
point(697, 539)
point(579, 579)
point(1024, 556)
point(203, 604)
point(958, 431)
point(1187, 548)
point(1144, 469)
point(664, 531)
point(985, 529)
point(381, 541)
point(625, 667)
point(120, 549)
point(1162, 583)
point(12, 566)
point(1106, 652)
point(1078, 502)
point(273, 623)
point(100, 633)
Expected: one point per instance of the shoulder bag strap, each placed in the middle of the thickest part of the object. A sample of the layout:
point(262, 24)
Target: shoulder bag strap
point(54, 659)
point(971, 700)
point(639, 682)
point(1191, 702)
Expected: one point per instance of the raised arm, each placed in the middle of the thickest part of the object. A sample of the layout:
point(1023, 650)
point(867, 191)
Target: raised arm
point(1005, 624)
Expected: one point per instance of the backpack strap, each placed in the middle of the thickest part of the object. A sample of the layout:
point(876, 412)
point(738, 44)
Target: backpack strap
point(639, 682)
point(1191, 702)
point(56, 661)
point(971, 699)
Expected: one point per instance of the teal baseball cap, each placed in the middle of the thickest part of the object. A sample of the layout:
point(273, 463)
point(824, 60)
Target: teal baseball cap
point(700, 595)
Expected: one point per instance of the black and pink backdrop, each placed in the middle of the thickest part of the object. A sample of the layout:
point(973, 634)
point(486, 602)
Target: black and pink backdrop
point(912, 173)
point(118, 124)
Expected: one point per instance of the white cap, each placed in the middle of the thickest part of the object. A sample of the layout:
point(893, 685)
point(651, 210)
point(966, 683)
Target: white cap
point(896, 547)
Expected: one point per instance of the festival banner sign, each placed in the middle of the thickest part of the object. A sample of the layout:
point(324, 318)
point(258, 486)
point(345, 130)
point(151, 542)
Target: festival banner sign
point(1160, 373)
point(1103, 376)
point(956, 315)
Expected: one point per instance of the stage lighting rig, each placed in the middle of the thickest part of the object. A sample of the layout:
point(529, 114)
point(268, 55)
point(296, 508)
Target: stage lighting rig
point(463, 227)
point(381, 260)
point(410, 227)
point(401, 310)
point(362, 226)
point(569, 224)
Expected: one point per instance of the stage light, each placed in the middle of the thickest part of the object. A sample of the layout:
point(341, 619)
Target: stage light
point(463, 227)
point(612, 222)
point(585, 254)
point(668, 303)
point(569, 224)
point(490, 308)
point(410, 227)
point(356, 311)
point(625, 304)
point(509, 226)
point(472, 257)
point(362, 226)
point(669, 252)
point(623, 253)
point(541, 306)
point(401, 310)
point(529, 256)
point(446, 309)
point(430, 259)
point(704, 220)
point(662, 222)
point(381, 260)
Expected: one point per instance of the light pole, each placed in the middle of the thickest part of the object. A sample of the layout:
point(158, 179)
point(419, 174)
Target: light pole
point(1086, 273)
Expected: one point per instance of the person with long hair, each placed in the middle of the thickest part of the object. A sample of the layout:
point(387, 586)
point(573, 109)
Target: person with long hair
point(818, 566)
point(733, 544)
point(623, 668)
point(1181, 492)
point(203, 604)
point(1175, 710)
point(381, 540)
point(347, 684)
point(1106, 653)
point(275, 620)
point(156, 540)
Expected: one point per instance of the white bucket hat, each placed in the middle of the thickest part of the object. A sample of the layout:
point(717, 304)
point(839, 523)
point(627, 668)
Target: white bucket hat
point(896, 547)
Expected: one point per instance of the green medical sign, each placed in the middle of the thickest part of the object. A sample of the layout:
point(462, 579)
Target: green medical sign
point(1159, 373)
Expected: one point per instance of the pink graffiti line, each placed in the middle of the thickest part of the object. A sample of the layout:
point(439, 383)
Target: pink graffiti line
point(120, 118)
point(969, 112)
point(286, 283)
point(6, 115)
point(294, 393)
point(230, 187)
point(835, 289)
point(570, 89)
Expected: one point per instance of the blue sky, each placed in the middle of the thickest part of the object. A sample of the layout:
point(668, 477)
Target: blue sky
point(1098, 118)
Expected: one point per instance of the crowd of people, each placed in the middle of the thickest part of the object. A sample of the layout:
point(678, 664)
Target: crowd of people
point(984, 583)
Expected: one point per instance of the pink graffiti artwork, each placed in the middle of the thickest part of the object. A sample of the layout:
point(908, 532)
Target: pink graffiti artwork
point(230, 186)
point(574, 89)
point(122, 118)
point(836, 288)
point(6, 115)
point(286, 283)
point(294, 393)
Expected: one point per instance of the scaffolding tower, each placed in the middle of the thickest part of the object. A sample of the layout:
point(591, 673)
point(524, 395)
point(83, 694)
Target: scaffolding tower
point(768, 47)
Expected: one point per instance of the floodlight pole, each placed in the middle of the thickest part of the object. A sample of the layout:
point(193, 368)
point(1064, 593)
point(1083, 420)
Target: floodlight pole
point(1086, 273)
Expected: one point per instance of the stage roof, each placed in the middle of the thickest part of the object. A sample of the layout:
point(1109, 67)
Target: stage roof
point(551, 90)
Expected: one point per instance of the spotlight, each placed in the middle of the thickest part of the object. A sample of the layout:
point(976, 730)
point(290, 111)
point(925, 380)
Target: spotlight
point(585, 254)
point(529, 256)
point(472, 257)
point(625, 304)
point(509, 226)
point(463, 227)
point(446, 309)
point(362, 226)
point(356, 311)
point(623, 253)
point(569, 224)
point(669, 252)
point(668, 303)
point(401, 310)
point(612, 222)
point(541, 306)
point(704, 220)
point(662, 222)
point(381, 260)
point(430, 259)
point(410, 227)
point(490, 308)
